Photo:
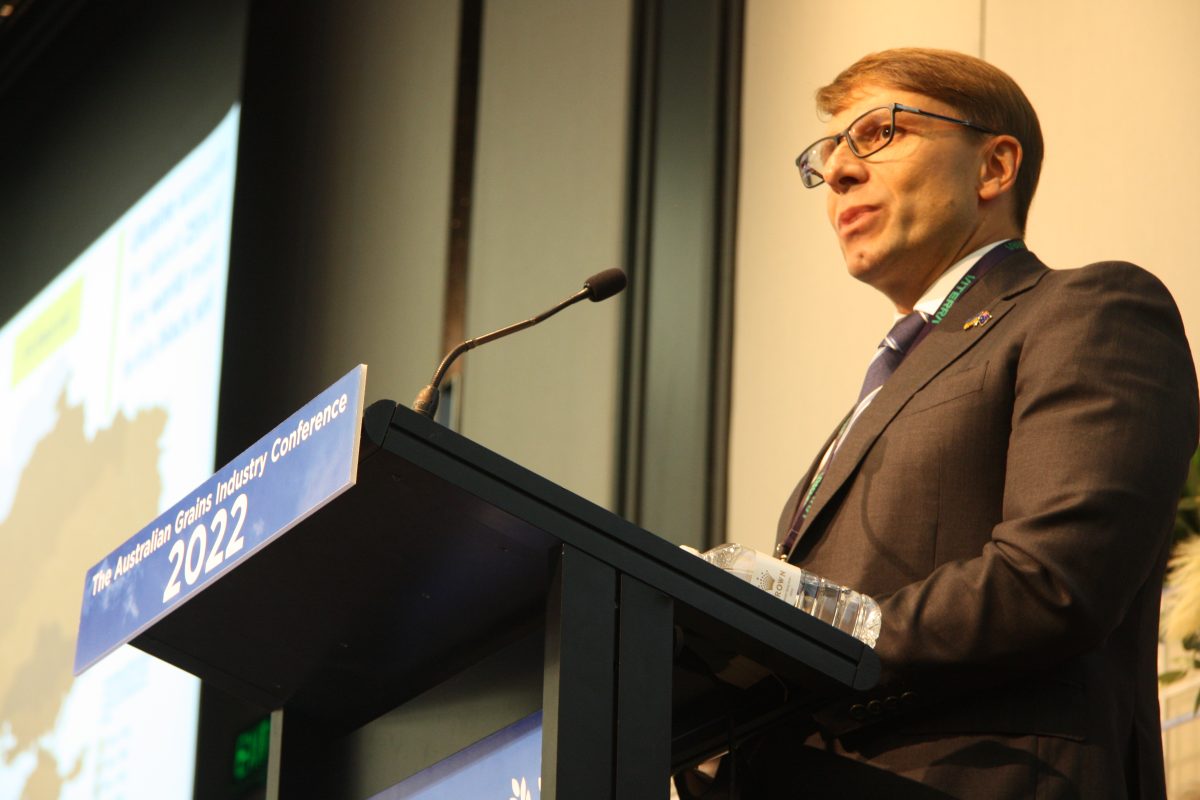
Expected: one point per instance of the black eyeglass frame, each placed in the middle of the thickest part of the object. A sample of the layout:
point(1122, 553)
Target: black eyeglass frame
point(806, 171)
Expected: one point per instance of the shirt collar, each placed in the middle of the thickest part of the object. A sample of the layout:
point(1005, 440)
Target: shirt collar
point(932, 300)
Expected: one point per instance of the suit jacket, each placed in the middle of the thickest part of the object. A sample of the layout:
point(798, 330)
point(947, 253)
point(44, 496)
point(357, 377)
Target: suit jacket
point(1008, 497)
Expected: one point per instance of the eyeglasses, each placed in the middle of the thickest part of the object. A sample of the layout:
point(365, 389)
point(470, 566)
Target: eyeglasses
point(866, 136)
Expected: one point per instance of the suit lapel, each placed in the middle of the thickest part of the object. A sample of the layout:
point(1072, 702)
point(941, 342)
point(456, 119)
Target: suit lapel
point(997, 292)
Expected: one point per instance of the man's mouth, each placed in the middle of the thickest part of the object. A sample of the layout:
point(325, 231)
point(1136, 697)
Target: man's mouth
point(852, 217)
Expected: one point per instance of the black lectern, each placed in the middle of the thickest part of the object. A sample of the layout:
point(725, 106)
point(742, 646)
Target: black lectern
point(442, 555)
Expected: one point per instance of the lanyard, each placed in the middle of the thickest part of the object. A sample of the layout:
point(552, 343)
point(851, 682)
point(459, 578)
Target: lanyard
point(980, 268)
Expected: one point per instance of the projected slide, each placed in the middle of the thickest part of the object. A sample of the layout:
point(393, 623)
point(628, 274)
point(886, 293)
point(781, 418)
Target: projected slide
point(108, 407)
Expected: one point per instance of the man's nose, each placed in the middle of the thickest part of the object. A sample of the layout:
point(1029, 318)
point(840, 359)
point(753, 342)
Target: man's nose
point(843, 169)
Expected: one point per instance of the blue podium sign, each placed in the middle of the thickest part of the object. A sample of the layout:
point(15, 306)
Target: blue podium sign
point(306, 461)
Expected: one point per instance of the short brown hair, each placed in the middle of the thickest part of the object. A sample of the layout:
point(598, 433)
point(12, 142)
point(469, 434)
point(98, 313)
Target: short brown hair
point(974, 88)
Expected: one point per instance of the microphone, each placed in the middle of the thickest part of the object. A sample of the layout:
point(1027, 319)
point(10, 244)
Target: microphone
point(600, 286)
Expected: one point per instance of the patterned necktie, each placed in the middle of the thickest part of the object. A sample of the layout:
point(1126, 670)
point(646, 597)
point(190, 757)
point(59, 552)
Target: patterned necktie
point(891, 351)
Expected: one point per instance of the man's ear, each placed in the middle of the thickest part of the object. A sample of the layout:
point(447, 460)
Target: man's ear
point(998, 169)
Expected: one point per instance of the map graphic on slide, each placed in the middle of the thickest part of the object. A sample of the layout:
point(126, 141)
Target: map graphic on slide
point(108, 404)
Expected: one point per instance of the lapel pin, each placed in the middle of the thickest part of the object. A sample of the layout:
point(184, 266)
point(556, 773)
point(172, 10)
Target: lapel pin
point(979, 319)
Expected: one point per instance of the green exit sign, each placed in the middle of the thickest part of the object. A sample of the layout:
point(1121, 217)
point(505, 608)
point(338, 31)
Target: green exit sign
point(250, 755)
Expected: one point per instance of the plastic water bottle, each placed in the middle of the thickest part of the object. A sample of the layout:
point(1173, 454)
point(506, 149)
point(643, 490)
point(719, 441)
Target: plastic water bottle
point(842, 607)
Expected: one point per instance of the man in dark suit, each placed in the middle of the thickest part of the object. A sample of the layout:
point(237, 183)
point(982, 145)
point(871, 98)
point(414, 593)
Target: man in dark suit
point(1007, 491)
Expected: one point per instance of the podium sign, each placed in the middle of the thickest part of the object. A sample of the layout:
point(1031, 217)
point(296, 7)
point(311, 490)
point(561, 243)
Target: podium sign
point(306, 461)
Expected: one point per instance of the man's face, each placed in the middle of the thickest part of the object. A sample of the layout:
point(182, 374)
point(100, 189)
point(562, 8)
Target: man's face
point(907, 213)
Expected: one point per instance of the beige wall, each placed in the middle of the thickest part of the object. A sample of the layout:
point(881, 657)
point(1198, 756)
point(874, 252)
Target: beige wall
point(386, 178)
point(549, 212)
point(1109, 80)
point(1113, 83)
